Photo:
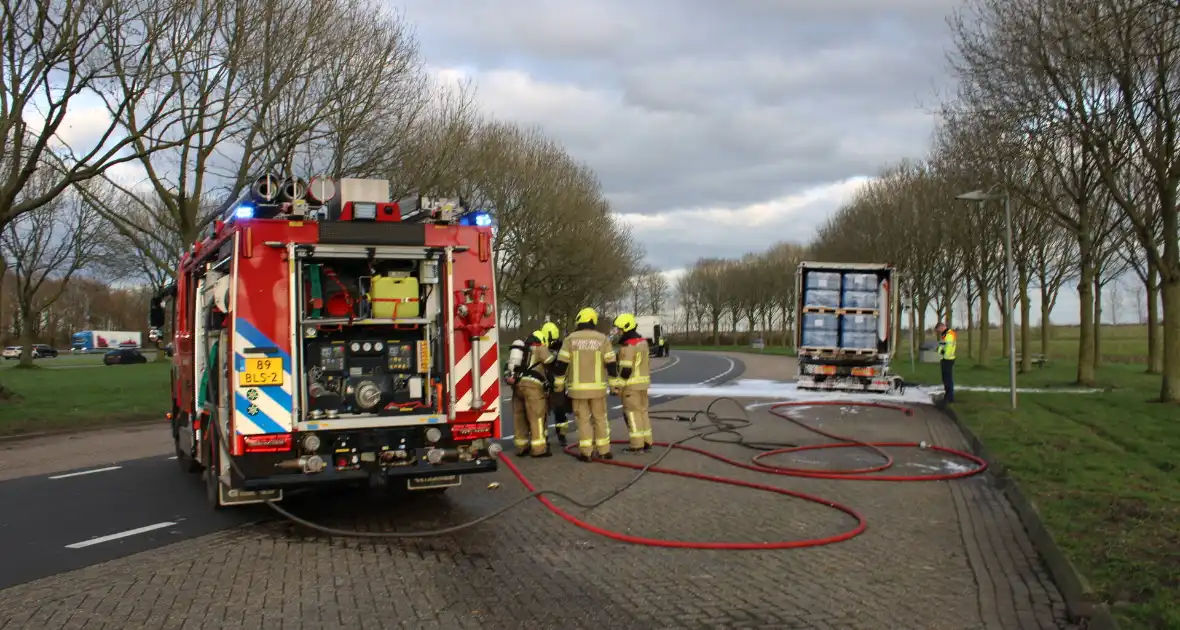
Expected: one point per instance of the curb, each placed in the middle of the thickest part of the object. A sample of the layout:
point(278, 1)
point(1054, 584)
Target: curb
point(1075, 589)
point(21, 437)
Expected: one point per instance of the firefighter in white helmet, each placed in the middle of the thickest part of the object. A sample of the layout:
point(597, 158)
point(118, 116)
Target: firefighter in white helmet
point(529, 402)
point(585, 355)
point(635, 372)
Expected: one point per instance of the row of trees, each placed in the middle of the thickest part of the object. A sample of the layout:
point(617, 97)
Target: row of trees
point(1071, 111)
point(756, 292)
point(173, 108)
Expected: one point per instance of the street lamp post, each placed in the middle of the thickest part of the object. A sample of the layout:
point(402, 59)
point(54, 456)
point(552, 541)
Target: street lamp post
point(982, 196)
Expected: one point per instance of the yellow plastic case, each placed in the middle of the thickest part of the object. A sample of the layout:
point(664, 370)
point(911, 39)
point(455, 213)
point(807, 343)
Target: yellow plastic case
point(394, 298)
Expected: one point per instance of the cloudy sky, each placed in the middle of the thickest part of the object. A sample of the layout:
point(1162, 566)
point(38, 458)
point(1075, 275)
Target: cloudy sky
point(747, 120)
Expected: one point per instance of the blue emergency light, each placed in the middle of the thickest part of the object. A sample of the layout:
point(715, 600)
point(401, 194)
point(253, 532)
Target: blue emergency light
point(244, 211)
point(480, 219)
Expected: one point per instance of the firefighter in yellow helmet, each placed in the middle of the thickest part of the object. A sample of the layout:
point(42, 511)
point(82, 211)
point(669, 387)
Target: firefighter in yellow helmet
point(529, 415)
point(559, 403)
point(635, 372)
point(585, 354)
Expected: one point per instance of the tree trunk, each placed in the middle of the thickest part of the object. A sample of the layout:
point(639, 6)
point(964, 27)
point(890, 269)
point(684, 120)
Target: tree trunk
point(716, 317)
point(1005, 312)
point(922, 322)
point(1045, 322)
point(1155, 355)
point(1085, 314)
point(1025, 325)
point(1170, 388)
point(783, 324)
point(1097, 321)
point(28, 336)
point(970, 320)
point(915, 338)
point(985, 308)
point(970, 328)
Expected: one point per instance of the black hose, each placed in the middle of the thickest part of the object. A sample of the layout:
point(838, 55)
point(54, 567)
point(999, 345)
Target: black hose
point(719, 424)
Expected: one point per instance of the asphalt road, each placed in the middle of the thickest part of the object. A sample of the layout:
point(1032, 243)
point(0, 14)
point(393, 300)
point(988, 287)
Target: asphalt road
point(76, 518)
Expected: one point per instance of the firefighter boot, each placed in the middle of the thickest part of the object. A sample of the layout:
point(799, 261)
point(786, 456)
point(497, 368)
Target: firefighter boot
point(561, 426)
point(585, 430)
point(601, 427)
point(633, 416)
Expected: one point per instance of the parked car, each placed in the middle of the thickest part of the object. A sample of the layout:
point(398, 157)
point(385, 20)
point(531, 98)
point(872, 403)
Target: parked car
point(44, 351)
point(12, 352)
point(123, 356)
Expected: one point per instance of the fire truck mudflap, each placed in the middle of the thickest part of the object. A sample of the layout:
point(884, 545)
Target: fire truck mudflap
point(334, 341)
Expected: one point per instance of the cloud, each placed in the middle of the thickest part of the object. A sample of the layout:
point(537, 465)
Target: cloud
point(748, 121)
point(676, 238)
point(85, 121)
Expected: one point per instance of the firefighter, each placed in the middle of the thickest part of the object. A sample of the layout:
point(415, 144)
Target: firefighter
point(529, 405)
point(947, 342)
point(588, 352)
point(558, 401)
point(635, 373)
point(512, 369)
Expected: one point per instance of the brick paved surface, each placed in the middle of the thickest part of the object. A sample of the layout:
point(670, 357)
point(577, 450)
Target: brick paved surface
point(946, 555)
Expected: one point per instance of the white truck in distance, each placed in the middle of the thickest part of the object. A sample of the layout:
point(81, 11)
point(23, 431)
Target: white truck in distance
point(651, 328)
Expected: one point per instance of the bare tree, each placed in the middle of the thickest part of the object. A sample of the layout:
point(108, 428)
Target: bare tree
point(45, 248)
point(329, 84)
point(656, 289)
point(53, 58)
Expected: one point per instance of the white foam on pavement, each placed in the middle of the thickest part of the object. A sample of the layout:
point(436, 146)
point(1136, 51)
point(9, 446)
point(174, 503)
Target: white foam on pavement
point(783, 391)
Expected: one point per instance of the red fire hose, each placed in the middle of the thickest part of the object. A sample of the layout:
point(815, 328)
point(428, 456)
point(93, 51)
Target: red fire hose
point(862, 474)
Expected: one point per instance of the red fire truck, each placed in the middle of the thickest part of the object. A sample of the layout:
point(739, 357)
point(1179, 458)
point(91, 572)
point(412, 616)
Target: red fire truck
point(325, 332)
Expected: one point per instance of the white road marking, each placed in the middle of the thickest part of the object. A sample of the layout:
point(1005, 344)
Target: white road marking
point(130, 532)
point(674, 361)
point(86, 472)
point(173, 457)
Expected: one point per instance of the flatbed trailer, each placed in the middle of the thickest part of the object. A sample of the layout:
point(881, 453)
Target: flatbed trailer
point(844, 326)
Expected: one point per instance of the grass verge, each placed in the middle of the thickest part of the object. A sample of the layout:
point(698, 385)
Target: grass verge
point(83, 397)
point(1102, 469)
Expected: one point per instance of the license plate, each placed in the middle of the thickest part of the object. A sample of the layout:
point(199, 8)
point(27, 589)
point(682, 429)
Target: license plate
point(261, 372)
point(440, 481)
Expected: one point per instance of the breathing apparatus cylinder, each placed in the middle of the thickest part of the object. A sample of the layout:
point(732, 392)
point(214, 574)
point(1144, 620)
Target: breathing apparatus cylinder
point(515, 356)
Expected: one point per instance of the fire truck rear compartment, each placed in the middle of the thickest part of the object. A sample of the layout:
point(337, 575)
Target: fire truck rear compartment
point(367, 340)
point(372, 379)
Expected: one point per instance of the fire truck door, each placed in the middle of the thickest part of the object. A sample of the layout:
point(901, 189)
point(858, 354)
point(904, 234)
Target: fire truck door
point(261, 378)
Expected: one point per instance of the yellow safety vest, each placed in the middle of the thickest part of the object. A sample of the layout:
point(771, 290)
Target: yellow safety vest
point(946, 345)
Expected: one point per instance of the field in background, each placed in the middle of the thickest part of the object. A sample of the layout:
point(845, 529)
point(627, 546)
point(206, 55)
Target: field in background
point(79, 392)
point(1118, 344)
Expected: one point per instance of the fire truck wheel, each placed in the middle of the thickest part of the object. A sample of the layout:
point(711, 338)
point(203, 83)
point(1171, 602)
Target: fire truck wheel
point(186, 463)
point(212, 469)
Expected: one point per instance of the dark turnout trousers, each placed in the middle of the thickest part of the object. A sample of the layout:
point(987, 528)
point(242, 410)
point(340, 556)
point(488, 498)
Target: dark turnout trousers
point(948, 379)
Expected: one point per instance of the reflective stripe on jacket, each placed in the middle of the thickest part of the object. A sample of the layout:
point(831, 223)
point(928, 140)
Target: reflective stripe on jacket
point(587, 352)
point(634, 364)
point(946, 345)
